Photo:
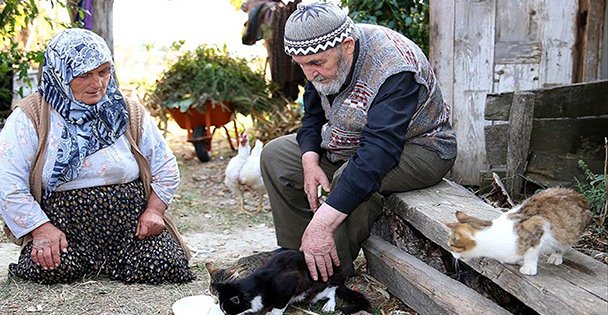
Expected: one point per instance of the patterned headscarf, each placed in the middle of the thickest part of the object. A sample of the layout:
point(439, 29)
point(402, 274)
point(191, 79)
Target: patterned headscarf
point(88, 128)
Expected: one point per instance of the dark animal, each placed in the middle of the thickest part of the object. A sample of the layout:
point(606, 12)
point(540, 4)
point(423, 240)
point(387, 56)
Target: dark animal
point(284, 280)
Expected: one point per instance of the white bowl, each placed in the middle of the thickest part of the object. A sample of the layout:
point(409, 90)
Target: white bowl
point(196, 304)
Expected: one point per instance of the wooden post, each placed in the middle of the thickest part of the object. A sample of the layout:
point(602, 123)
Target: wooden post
point(520, 130)
point(103, 12)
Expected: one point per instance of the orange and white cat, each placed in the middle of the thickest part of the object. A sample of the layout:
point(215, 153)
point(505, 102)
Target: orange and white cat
point(550, 221)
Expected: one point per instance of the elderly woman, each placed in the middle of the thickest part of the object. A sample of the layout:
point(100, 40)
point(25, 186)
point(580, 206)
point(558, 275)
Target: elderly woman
point(86, 176)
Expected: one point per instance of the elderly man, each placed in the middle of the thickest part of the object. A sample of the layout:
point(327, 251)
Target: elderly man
point(374, 123)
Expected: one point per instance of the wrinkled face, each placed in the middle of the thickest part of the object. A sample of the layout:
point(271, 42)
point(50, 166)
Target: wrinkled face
point(91, 86)
point(328, 69)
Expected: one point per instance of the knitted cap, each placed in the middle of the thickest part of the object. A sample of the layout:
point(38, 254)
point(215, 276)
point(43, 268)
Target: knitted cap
point(316, 27)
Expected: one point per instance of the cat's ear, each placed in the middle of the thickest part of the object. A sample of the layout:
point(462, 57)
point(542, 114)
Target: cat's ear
point(474, 222)
point(461, 216)
point(235, 300)
point(451, 225)
point(211, 268)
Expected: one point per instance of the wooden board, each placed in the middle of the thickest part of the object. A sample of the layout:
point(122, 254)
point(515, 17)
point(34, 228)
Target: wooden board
point(576, 100)
point(474, 34)
point(558, 31)
point(590, 43)
point(420, 286)
point(558, 136)
point(579, 286)
point(441, 55)
point(496, 144)
point(520, 129)
point(559, 169)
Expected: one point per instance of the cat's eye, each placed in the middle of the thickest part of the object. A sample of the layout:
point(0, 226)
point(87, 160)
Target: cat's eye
point(235, 300)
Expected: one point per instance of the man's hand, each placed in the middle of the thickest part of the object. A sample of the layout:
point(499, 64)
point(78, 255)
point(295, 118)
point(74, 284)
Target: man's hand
point(313, 177)
point(318, 244)
point(151, 221)
point(48, 244)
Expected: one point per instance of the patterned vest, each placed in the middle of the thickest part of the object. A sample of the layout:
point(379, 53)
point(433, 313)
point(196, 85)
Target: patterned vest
point(382, 53)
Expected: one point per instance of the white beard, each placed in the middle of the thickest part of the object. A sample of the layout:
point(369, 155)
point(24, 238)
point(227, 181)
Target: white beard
point(333, 86)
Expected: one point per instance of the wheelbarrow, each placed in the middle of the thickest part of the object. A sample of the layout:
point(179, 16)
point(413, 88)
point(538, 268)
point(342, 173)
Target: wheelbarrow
point(199, 125)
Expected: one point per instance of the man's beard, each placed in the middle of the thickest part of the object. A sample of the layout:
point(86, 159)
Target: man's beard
point(333, 86)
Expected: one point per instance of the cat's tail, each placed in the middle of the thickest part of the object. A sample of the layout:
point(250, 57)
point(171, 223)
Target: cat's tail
point(353, 301)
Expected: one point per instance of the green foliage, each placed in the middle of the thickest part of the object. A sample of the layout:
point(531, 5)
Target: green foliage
point(15, 17)
point(594, 190)
point(408, 17)
point(210, 73)
point(236, 4)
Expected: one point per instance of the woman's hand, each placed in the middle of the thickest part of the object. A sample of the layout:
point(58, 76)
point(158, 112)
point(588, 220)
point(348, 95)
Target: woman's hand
point(318, 244)
point(313, 177)
point(151, 221)
point(48, 243)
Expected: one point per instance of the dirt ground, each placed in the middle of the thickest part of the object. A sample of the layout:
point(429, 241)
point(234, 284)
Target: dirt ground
point(209, 219)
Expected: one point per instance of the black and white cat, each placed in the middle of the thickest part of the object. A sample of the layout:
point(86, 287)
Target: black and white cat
point(284, 280)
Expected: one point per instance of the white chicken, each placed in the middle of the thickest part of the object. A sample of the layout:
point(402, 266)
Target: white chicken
point(250, 176)
point(234, 167)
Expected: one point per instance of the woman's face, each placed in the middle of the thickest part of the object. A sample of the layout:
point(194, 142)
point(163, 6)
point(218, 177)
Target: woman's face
point(91, 86)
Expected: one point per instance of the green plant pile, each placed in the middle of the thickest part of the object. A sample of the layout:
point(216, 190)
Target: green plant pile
point(408, 17)
point(594, 189)
point(210, 73)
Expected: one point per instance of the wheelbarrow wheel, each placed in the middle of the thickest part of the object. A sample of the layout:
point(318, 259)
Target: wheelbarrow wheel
point(201, 146)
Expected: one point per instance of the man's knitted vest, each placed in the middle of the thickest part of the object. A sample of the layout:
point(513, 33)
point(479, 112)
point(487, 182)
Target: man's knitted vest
point(38, 111)
point(383, 53)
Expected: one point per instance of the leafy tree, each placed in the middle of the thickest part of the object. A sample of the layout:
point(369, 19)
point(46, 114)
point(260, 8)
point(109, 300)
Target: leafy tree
point(408, 17)
point(15, 18)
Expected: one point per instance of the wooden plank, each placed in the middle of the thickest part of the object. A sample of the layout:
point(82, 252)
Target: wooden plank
point(552, 137)
point(518, 21)
point(515, 77)
point(520, 130)
point(517, 52)
point(576, 287)
point(559, 36)
point(420, 286)
point(592, 11)
point(574, 100)
point(441, 55)
point(498, 106)
point(497, 137)
point(562, 136)
point(473, 57)
point(551, 169)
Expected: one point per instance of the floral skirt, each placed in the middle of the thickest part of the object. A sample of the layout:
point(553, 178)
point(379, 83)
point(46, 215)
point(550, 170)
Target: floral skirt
point(100, 225)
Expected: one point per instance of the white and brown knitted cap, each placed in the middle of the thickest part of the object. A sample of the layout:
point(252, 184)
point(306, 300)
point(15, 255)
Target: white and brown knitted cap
point(316, 27)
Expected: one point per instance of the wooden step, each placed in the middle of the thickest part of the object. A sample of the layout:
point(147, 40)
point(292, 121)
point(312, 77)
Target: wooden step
point(420, 286)
point(578, 286)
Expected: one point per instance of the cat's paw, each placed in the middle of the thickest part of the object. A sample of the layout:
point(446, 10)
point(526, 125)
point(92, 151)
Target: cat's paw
point(555, 258)
point(330, 306)
point(528, 270)
point(276, 311)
